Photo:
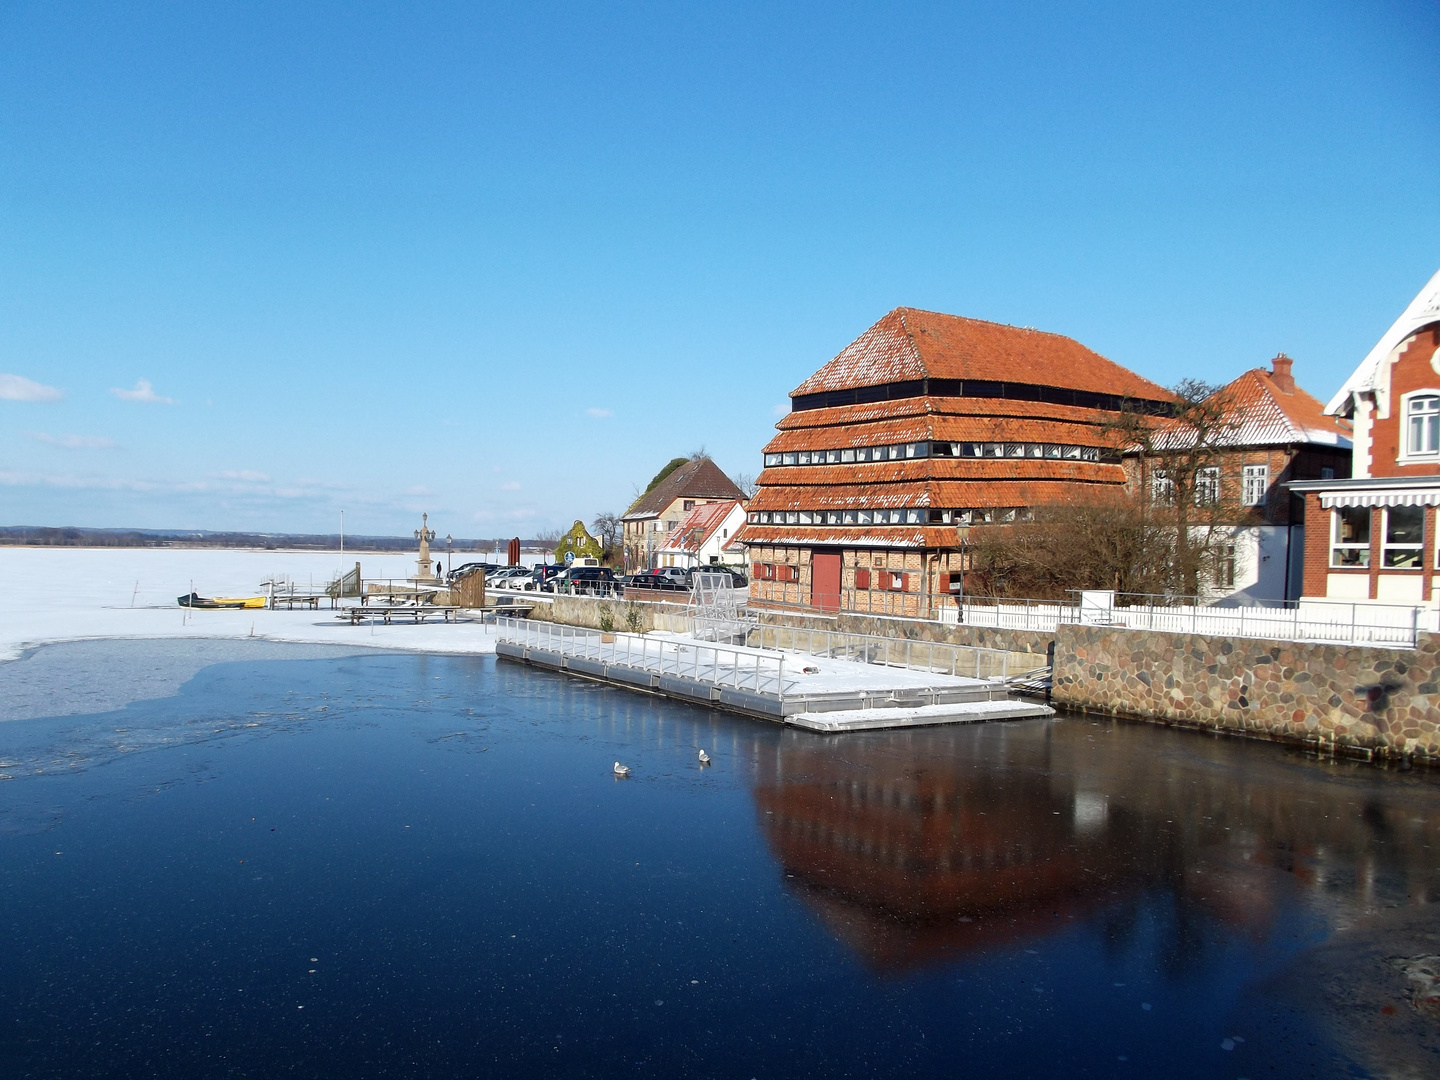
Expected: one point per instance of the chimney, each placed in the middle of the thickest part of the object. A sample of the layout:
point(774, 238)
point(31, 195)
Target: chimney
point(1280, 374)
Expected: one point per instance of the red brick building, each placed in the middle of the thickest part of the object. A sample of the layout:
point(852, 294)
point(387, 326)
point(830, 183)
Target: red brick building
point(924, 423)
point(1376, 535)
point(1275, 433)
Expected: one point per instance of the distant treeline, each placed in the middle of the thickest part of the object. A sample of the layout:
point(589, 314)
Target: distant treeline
point(44, 536)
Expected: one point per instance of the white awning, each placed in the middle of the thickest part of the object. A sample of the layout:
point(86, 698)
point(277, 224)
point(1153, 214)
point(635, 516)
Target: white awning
point(1403, 497)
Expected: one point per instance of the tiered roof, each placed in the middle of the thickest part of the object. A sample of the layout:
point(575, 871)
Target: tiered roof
point(1022, 417)
point(909, 343)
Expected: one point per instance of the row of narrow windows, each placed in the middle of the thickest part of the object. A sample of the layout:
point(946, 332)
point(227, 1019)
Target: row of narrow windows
point(888, 516)
point(934, 449)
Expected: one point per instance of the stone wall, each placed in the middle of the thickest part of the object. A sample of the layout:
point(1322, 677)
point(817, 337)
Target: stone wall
point(587, 611)
point(1034, 643)
point(1384, 702)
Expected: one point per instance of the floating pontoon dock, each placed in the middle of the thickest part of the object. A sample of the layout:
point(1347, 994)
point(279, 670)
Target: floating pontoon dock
point(821, 693)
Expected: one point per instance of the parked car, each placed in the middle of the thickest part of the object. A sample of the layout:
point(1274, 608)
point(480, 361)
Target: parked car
point(658, 579)
point(584, 581)
point(506, 576)
point(466, 569)
point(542, 577)
point(737, 579)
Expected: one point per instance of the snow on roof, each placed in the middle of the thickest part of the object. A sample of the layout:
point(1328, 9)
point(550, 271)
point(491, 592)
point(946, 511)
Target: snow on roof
point(1267, 408)
point(1423, 310)
point(908, 343)
point(697, 479)
point(696, 528)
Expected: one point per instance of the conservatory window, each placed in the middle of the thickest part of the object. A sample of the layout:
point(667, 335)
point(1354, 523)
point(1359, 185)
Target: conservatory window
point(1404, 537)
point(1350, 536)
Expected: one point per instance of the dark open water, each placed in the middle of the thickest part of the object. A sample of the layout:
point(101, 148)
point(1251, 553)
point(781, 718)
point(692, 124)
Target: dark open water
point(418, 866)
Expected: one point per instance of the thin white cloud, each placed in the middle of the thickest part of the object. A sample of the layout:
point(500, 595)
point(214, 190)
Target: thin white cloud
point(781, 410)
point(19, 388)
point(599, 414)
point(143, 393)
point(75, 442)
point(248, 475)
point(510, 485)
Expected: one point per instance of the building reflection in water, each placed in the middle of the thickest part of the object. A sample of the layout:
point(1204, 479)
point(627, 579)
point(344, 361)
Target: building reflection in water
point(919, 847)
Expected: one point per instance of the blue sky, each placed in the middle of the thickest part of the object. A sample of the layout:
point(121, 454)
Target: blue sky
point(262, 262)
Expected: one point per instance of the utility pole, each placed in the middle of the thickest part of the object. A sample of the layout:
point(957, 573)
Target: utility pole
point(342, 532)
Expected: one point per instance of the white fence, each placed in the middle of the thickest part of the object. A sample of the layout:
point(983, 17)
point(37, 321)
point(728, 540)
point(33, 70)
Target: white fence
point(1321, 621)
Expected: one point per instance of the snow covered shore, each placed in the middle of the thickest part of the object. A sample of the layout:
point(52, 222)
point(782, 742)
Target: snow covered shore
point(55, 594)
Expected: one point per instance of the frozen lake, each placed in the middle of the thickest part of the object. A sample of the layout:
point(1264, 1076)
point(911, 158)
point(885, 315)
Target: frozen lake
point(330, 861)
point(54, 594)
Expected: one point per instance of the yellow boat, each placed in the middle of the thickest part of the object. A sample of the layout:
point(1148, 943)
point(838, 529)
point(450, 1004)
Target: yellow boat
point(222, 601)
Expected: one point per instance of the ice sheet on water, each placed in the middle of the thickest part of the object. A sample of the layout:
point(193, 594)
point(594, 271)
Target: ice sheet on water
point(86, 677)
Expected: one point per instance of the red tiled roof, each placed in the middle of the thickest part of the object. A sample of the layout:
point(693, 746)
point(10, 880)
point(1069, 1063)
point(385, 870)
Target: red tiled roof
point(896, 408)
point(698, 479)
point(1271, 415)
point(943, 494)
point(1264, 411)
point(943, 428)
point(908, 343)
point(696, 528)
point(921, 470)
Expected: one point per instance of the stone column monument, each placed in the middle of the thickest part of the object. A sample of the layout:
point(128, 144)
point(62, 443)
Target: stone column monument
point(424, 568)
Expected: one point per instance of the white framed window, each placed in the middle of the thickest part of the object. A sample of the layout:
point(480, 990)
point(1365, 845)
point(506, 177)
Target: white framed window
point(1225, 567)
point(1207, 486)
point(1162, 488)
point(1257, 483)
point(1350, 537)
point(1404, 538)
point(1422, 425)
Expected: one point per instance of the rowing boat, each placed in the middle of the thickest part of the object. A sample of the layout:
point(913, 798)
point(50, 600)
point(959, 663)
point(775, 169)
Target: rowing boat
point(196, 601)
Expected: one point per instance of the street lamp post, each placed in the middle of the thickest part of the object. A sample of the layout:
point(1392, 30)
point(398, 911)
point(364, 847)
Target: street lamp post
point(449, 564)
point(342, 532)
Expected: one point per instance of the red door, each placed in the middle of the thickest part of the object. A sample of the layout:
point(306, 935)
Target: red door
point(825, 581)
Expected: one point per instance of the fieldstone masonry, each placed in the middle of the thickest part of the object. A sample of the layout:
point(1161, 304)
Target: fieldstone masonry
point(1380, 702)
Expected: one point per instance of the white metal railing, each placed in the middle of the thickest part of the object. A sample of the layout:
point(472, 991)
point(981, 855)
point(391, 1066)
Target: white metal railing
point(1323, 622)
point(939, 657)
point(1318, 620)
point(714, 664)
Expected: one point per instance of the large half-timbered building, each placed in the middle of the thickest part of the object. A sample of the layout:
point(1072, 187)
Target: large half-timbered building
point(925, 423)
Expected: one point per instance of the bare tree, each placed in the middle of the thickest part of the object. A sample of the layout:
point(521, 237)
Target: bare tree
point(1102, 543)
point(550, 537)
point(608, 528)
point(696, 455)
point(1178, 476)
point(746, 483)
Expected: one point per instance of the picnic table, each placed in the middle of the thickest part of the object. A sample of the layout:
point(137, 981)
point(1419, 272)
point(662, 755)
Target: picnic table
point(291, 599)
point(386, 612)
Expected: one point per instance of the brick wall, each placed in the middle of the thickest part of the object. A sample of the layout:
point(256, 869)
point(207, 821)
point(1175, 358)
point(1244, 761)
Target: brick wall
point(1317, 547)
